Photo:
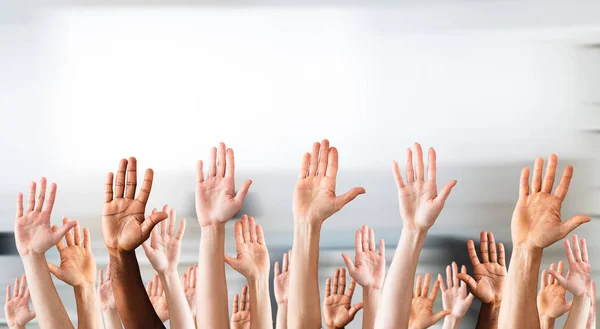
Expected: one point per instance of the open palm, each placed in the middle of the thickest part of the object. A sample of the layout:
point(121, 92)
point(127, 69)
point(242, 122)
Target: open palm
point(421, 310)
point(252, 259)
point(164, 246)
point(105, 290)
point(579, 278)
point(281, 279)
point(240, 318)
point(77, 264)
point(158, 299)
point(455, 298)
point(337, 309)
point(368, 268)
point(552, 297)
point(16, 307)
point(189, 287)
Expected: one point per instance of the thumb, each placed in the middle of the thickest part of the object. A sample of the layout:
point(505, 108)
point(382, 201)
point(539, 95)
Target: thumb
point(559, 278)
point(146, 246)
point(231, 261)
point(471, 283)
point(445, 191)
point(354, 309)
point(349, 264)
point(572, 224)
point(55, 270)
point(58, 234)
point(569, 304)
point(241, 194)
point(151, 221)
point(440, 315)
point(343, 199)
point(469, 298)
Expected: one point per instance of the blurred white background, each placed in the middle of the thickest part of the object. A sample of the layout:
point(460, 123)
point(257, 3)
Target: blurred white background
point(490, 84)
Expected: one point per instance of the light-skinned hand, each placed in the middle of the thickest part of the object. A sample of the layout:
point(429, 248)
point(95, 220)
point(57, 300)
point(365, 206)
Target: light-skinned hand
point(421, 310)
point(164, 246)
point(591, 323)
point(124, 227)
point(282, 278)
point(240, 318)
point(77, 264)
point(188, 281)
point(105, 290)
point(157, 296)
point(337, 309)
point(536, 221)
point(490, 273)
point(579, 277)
point(455, 298)
point(252, 260)
point(314, 195)
point(552, 297)
point(368, 268)
point(216, 200)
point(420, 203)
point(16, 308)
point(33, 233)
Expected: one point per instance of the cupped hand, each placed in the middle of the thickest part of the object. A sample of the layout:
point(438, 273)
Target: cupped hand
point(77, 264)
point(368, 268)
point(252, 259)
point(552, 297)
point(536, 221)
point(124, 227)
point(315, 199)
point(421, 310)
point(420, 203)
point(33, 233)
point(455, 298)
point(281, 279)
point(490, 273)
point(16, 308)
point(240, 318)
point(216, 200)
point(164, 246)
point(579, 278)
point(105, 290)
point(337, 309)
point(158, 299)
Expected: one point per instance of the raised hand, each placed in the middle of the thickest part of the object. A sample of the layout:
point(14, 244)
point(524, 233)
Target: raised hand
point(421, 311)
point(579, 277)
point(368, 270)
point(455, 298)
point(240, 318)
point(314, 196)
point(252, 259)
point(164, 246)
point(536, 221)
point(336, 305)
point(552, 298)
point(189, 287)
point(124, 227)
point(33, 233)
point(420, 203)
point(157, 297)
point(281, 279)
point(16, 308)
point(105, 290)
point(216, 200)
point(490, 273)
point(77, 264)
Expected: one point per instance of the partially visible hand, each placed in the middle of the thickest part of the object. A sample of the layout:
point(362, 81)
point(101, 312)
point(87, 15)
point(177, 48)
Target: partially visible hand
point(158, 299)
point(579, 278)
point(105, 290)
point(163, 247)
point(189, 287)
point(216, 200)
point(77, 264)
point(455, 298)
point(16, 308)
point(552, 297)
point(421, 310)
point(336, 304)
point(536, 221)
point(33, 233)
point(420, 203)
point(252, 259)
point(123, 225)
point(490, 274)
point(369, 267)
point(314, 195)
point(282, 278)
point(240, 318)
point(591, 323)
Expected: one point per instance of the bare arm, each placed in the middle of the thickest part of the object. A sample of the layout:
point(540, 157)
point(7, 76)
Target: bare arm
point(16, 307)
point(420, 205)
point(535, 225)
point(455, 298)
point(314, 201)
point(281, 284)
point(108, 305)
point(34, 236)
point(591, 322)
point(216, 203)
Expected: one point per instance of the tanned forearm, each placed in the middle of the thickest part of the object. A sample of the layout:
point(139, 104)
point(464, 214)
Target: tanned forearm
point(259, 295)
point(211, 285)
point(111, 319)
point(304, 306)
point(488, 316)
point(396, 296)
point(578, 315)
point(88, 307)
point(282, 316)
point(520, 290)
point(133, 304)
point(182, 318)
point(371, 302)
point(49, 309)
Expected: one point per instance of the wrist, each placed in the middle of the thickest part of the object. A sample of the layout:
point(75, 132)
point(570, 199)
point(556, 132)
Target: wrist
point(452, 320)
point(85, 288)
point(546, 322)
point(307, 226)
point(31, 257)
point(209, 223)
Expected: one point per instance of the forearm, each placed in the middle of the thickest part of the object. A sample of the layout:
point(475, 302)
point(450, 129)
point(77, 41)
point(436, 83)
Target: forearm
point(181, 318)
point(488, 316)
point(546, 322)
point(371, 302)
point(396, 296)
point(111, 319)
point(578, 315)
point(282, 316)
point(211, 285)
point(304, 307)
point(49, 309)
point(519, 296)
point(259, 296)
point(88, 308)
point(451, 322)
point(133, 304)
